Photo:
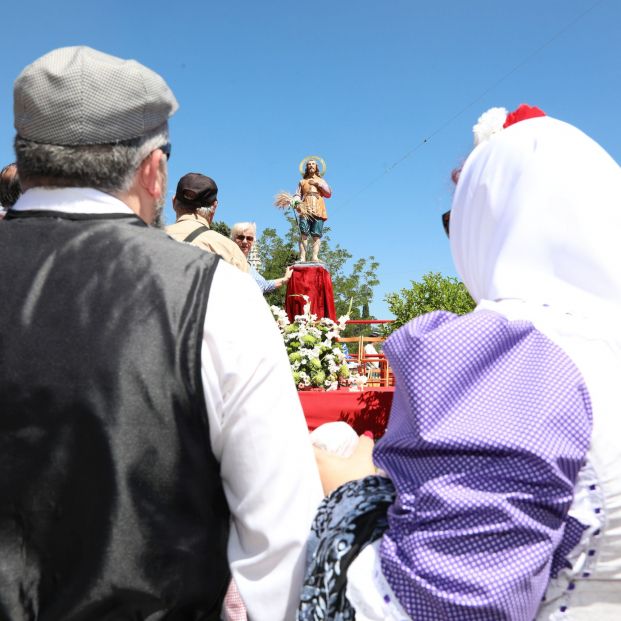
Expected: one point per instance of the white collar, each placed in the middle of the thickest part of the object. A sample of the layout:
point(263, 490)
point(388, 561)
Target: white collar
point(70, 200)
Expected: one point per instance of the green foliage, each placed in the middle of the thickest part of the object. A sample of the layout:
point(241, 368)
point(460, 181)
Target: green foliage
point(220, 227)
point(351, 283)
point(433, 292)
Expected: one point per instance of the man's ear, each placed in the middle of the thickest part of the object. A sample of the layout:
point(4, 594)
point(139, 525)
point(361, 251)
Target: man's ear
point(149, 174)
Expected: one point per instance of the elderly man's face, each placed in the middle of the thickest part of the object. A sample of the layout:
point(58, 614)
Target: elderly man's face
point(245, 240)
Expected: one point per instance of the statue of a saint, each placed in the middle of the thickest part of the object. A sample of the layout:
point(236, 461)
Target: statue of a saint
point(310, 205)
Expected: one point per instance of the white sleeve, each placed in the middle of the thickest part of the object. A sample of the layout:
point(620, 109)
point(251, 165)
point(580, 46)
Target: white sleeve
point(259, 435)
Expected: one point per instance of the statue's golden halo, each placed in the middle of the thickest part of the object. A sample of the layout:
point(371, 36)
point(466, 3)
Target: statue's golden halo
point(321, 164)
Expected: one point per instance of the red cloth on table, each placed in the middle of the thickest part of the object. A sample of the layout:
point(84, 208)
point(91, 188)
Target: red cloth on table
point(315, 282)
point(367, 410)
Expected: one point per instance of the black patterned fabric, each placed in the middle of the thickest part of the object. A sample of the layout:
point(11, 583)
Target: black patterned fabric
point(351, 517)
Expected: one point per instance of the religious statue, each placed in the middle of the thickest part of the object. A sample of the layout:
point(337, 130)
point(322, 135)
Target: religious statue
point(308, 203)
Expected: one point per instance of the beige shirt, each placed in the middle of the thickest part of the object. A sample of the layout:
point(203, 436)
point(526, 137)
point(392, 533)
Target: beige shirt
point(208, 240)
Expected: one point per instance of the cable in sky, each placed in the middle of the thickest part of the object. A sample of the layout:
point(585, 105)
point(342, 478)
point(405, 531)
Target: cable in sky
point(479, 97)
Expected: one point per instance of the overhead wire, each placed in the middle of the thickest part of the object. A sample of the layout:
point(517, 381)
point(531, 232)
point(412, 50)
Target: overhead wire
point(479, 97)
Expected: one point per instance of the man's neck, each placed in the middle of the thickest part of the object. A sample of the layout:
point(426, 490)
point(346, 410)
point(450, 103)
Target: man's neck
point(195, 213)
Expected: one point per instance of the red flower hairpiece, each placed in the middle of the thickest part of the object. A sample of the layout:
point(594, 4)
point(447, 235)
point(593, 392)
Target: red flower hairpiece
point(522, 113)
point(496, 119)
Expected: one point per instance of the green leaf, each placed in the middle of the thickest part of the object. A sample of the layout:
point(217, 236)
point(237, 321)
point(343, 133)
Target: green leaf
point(433, 292)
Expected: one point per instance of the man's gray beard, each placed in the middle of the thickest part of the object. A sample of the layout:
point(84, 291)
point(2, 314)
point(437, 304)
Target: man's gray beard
point(158, 219)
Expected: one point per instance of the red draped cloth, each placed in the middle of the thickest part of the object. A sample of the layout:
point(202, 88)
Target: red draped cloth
point(364, 411)
point(315, 282)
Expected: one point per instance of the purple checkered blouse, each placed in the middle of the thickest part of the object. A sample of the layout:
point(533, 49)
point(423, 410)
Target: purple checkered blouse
point(490, 425)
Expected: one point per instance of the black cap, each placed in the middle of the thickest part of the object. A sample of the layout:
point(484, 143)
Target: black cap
point(196, 190)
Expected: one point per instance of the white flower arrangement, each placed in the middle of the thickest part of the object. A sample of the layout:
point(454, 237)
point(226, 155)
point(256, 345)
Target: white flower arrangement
point(316, 358)
point(358, 382)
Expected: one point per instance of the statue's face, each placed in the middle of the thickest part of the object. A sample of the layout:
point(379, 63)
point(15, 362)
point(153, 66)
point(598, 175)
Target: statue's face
point(311, 167)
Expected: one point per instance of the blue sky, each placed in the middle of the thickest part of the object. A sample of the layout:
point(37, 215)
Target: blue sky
point(362, 84)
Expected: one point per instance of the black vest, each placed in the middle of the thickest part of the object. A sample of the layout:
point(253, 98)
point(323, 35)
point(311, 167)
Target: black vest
point(111, 503)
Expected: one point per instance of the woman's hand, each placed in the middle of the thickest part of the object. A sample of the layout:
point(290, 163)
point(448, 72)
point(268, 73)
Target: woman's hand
point(285, 279)
point(335, 470)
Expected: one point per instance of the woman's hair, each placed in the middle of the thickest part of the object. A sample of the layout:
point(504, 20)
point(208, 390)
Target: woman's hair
point(239, 227)
point(107, 167)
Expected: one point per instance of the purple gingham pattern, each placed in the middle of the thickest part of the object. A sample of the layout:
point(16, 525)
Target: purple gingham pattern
point(489, 427)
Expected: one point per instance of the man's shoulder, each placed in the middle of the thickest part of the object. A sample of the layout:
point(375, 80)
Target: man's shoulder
point(213, 241)
point(208, 240)
point(182, 228)
point(219, 238)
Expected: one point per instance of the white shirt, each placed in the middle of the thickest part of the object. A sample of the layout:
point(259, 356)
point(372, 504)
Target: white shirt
point(257, 428)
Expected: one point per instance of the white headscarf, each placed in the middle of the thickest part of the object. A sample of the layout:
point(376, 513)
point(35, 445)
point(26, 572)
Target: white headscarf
point(536, 216)
point(536, 235)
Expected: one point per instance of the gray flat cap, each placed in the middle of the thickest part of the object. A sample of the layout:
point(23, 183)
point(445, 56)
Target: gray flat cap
point(79, 96)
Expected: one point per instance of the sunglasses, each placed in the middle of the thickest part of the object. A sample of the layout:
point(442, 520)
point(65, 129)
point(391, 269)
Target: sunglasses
point(244, 237)
point(165, 149)
point(446, 221)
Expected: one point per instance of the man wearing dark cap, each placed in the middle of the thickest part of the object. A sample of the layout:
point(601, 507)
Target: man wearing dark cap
point(151, 438)
point(195, 203)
